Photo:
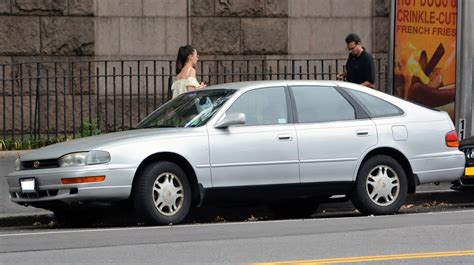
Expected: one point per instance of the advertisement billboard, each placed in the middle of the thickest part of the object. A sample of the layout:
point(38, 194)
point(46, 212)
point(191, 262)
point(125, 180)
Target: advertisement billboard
point(424, 52)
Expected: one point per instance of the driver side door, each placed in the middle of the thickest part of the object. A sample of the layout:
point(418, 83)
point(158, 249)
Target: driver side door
point(263, 151)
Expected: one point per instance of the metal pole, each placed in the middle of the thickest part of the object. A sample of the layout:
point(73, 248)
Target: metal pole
point(391, 50)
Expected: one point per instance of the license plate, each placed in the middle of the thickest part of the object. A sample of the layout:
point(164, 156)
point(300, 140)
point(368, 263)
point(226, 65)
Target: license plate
point(28, 185)
point(469, 171)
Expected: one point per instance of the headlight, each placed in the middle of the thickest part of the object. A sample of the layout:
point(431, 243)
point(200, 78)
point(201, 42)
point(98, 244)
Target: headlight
point(84, 158)
point(17, 164)
point(469, 153)
point(72, 160)
point(97, 157)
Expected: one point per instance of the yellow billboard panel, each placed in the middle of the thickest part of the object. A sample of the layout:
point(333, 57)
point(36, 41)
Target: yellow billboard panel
point(425, 52)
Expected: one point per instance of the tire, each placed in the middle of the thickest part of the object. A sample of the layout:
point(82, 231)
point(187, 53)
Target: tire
point(381, 186)
point(162, 194)
point(301, 208)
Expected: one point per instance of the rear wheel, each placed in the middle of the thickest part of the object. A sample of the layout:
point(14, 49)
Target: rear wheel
point(381, 186)
point(162, 194)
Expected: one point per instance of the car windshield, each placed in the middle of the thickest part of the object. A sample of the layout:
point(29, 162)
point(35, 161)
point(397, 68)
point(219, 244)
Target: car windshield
point(187, 110)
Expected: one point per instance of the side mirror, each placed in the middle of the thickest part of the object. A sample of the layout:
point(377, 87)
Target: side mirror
point(231, 119)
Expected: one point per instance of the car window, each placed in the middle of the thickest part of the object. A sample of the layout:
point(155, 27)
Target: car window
point(320, 104)
point(376, 107)
point(264, 106)
point(190, 109)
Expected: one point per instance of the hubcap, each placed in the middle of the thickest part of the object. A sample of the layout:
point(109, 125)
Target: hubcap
point(168, 194)
point(383, 185)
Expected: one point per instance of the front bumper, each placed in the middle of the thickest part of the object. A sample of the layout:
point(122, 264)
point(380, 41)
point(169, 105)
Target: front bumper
point(116, 186)
point(467, 181)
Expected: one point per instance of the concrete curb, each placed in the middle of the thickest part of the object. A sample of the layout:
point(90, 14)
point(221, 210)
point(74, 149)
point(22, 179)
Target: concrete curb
point(440, 199)
point(26, 219)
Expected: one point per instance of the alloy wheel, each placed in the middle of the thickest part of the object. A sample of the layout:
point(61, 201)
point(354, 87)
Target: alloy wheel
point(168, 194)
point(383, 185)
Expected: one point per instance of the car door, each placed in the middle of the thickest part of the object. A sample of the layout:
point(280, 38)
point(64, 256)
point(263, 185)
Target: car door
point(332, 132)
point(263, 151)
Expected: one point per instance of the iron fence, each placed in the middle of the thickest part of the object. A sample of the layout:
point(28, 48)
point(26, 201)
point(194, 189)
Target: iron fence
point(74, 99)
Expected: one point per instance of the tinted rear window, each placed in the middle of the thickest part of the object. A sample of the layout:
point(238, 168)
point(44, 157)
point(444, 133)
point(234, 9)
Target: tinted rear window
point(376, 107)
point(321, 104)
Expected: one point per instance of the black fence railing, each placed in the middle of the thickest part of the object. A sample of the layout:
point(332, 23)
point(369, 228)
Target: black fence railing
point(44, 100)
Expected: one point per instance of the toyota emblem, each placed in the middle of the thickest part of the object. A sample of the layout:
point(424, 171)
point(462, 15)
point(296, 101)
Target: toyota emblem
point(36, 164)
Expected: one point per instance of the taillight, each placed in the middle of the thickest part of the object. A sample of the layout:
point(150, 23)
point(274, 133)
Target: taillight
point(452, 139)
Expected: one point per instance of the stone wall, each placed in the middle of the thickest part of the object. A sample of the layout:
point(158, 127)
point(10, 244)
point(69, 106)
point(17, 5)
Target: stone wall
point(131, 28)
point(99, 28)
point(69, 31)
point(120, 29)
point(318, 27)
point(293, 28)
point(46, 28)
point(243, 27)
point(41, 30)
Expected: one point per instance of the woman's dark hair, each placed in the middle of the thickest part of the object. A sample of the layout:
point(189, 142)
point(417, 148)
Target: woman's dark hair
point(183, 54)
point(352, 38)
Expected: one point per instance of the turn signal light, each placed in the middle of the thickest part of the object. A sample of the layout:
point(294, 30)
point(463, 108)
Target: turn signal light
point(452, 139)
point(82, 180)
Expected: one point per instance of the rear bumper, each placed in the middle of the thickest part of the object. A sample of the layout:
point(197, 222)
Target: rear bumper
point(445, 168)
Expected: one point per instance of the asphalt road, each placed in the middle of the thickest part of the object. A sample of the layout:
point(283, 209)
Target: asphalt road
point(435, 226)
point(451, 233)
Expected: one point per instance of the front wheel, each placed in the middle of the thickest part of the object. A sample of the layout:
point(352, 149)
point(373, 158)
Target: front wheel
point(162, 194)
point(381, 186)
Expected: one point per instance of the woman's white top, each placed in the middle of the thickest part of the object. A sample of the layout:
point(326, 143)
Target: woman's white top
point(180, 86)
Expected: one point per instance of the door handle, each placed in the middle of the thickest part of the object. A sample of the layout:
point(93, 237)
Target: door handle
point(362, 132)
point(285, 137)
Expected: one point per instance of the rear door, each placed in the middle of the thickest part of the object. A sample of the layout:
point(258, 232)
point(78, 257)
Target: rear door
point(333, 133)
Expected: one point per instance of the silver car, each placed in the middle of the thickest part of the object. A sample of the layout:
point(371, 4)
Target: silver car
point(290, 143)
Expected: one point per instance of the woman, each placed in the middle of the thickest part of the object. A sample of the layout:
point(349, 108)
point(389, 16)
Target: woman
point(185, 71)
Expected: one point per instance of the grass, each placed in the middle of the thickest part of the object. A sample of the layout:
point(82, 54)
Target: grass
point(89, 128)
point(28, 144)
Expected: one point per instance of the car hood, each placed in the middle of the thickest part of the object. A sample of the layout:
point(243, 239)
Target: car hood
point(102, 141)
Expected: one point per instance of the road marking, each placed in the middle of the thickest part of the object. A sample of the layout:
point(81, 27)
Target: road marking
point(426, 255)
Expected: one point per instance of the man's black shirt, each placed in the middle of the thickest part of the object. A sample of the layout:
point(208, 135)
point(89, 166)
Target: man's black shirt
point(360, 68)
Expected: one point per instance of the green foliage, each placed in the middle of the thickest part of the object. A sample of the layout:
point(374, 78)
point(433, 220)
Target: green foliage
point(3, 145)
point(27, 144)
point(89, 128)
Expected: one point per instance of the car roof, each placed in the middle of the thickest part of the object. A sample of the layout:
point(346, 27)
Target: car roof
point(265, 83)
point(249, 85)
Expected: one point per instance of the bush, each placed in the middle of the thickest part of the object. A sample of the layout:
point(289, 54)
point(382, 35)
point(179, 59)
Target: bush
point(89, 128)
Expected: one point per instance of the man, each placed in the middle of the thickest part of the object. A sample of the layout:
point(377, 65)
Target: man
point(359, 65)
